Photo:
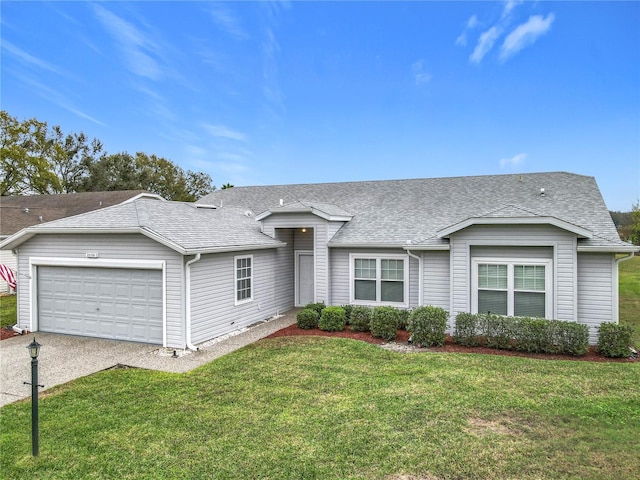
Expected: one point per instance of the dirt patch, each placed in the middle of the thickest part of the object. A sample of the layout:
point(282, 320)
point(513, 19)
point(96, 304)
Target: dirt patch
point(402, 345)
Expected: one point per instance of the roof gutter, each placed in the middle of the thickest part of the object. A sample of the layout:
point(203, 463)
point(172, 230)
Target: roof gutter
point(187, 308)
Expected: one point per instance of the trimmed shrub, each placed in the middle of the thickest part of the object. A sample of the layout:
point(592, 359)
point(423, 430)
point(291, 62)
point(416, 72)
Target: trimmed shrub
point(318, 307)
point(531, 335)
point(466, 329)
point(307, 319)
point(498, 331)
point(384, 323)
point(333, 319)
point(361, 318)
point(614, 340)
point(427, 326)
point(572, 338)
point(347, 312)
point(403, 318)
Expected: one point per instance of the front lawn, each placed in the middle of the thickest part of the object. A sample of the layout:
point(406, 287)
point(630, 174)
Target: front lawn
point(8, 310)
point(629, 295)
point(311, 407)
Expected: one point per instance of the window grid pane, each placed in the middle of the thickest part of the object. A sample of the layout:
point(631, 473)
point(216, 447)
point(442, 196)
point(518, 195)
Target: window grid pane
point(529, 277)
point(365, 268)
point(365, 290)
point(392, 269)
point(492, 276)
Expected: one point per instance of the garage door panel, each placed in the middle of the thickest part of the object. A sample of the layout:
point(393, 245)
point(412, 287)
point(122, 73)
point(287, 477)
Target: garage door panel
point(122, 304)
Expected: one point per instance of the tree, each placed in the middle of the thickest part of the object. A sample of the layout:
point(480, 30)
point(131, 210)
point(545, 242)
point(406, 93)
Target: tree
point(122, 171)
point(226, 185)
point(24, 157)
point(635, 225)
point(36, 160)
point(70, 156)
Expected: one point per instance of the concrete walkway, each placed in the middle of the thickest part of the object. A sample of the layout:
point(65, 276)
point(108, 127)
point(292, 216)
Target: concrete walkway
point(66, 357)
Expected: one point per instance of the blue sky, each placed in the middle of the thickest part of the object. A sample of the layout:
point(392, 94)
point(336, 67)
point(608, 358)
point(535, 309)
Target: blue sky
point(301, 92)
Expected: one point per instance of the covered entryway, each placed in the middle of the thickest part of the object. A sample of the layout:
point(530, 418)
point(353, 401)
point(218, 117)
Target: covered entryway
point(114, 303)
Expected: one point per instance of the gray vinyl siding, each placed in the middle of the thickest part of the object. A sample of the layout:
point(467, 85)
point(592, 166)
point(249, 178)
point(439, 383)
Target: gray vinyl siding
point(340, 273)
point(125, 247)
point(436, 281)
point(478, 238)
point(597, 298)
point(213, 308)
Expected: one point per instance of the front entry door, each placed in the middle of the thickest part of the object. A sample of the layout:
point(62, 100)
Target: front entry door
point(304, 279)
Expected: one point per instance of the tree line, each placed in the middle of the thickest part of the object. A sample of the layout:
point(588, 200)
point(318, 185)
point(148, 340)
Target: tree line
point(36, 159)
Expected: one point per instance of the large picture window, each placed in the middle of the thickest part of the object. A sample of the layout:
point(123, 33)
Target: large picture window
point(512, 287)
point(378, 279)
point(244, 278)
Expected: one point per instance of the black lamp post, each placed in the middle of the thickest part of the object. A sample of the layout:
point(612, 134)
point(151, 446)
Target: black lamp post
point(34, 350)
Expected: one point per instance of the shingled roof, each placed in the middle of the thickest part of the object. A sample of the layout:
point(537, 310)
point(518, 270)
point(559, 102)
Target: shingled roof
point(393, 212)
point(184, 227)
point(22, 211)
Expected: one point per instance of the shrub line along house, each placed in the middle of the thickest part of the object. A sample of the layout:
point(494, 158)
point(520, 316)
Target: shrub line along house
point(179, 274)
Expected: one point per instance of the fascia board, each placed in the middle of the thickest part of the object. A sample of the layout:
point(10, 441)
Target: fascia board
point(366, 245)
point(609, 249)
point(233, 248)
point(556, 222)
point(427, 247)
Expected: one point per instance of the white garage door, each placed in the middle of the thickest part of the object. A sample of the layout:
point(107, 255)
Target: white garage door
point(115, 303)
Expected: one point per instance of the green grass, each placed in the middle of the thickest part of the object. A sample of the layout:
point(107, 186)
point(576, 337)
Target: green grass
point(327, 408)
point(8, 310)
point(629, 295)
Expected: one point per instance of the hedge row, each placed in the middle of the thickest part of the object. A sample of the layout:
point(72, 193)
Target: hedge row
point(533, 335)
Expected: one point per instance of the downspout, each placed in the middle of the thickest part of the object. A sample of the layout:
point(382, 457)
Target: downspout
point(617, 282)
point(420, 276)
point(187, 308)
point(625, 258)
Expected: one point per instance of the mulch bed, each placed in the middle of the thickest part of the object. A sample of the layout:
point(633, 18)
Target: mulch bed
point(7, 332)
point(449, 345)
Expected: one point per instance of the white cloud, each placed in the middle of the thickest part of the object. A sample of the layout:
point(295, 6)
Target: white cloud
point(525, 34)
point(509, 5)
point(222, 131)
point(135, 45)
point(227, 21)
point(485, 44)
point(471, 24)
point(29, 60)
point(421, 77)
point(513, 161)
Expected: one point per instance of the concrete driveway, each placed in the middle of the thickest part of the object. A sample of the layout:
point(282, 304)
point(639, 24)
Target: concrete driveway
point(66, 357)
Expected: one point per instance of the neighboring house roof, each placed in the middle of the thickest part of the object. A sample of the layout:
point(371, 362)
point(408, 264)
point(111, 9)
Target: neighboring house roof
point(394, 212)
point(185, 227)
point(18, 212)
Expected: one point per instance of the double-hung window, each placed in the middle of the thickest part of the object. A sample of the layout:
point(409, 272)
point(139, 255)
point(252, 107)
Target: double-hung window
point(520, 288)
point(379, 279)
point(244, 278)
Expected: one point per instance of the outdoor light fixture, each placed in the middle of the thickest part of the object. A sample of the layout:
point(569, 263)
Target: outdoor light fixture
point(34, 351)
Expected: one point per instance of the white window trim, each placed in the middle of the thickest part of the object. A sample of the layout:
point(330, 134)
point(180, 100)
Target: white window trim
point(378, 257)
point(235, 280)
point(511, 262)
